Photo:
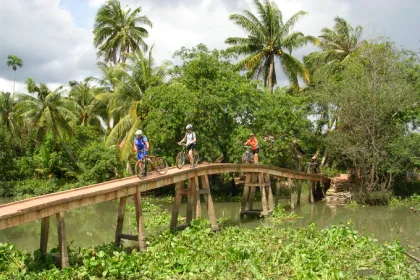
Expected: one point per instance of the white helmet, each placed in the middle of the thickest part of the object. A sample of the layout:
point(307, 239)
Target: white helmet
point(139, 132)
point(189, 126)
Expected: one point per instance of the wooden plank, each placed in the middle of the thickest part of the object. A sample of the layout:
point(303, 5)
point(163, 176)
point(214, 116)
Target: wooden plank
point(45, 230)
point(177, 203)
point(140, 221)
point(209, 202)
point(120, 220)
point(62, 242)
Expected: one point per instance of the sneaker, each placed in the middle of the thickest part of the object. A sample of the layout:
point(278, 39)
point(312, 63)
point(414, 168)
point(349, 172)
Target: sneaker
point(144, 174)
point(192, 166)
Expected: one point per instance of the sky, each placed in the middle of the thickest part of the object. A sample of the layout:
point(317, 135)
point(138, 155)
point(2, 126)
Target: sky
point(55, 41)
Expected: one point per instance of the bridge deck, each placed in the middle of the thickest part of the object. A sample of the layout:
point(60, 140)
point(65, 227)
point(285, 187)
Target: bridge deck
point(19, 212)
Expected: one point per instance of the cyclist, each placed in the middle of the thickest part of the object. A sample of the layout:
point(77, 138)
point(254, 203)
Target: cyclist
point(141, 146)
point(253, 142)
point(191, 139)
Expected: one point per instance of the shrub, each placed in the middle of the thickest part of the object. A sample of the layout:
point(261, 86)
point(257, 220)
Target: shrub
point(373, 198)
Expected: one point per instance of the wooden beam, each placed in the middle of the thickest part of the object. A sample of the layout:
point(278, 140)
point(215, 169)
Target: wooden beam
point(177, 203)
point(292, 200)
point(245, 193)
point(19, 212)
point(190, 201)
point(197, 198)
point(140, 221)
point(120, 220)
point(209, 202)
point(264, 211)
point(45, 229)
point(270, 192)
point(62, 242)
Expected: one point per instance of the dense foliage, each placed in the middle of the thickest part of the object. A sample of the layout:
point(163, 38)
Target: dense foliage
point(197, 253)
point(361, 114)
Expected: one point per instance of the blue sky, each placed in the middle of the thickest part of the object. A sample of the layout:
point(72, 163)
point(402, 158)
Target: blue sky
point(82, 12)
point(54, 37)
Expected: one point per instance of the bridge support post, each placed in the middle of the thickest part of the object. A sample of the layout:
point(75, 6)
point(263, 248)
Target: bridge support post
point(45, 230)
point(140, 238)
point(62, 244)
point(193, 193)
point(120, 220)
point(292, 195)
point(311, 185)
point(140, 220)
point(262, 181)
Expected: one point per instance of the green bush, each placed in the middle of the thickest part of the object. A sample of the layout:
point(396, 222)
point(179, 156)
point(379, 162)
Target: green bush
point(372, 198)
point(100, 163)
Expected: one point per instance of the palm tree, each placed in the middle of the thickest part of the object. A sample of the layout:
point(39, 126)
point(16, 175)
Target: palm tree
point(85, 97)
point(336, 45)
point(14, 61)
point(140, 74)
point(47, 110)
point(269, 38)
point(8, 119)
point(118, 32)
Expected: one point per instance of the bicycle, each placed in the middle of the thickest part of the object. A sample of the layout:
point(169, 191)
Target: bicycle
point(248, 157)
point(180, 158)
point(154, 163)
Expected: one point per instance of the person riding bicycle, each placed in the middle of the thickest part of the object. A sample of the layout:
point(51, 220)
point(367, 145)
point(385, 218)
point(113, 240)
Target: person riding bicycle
point(141, 146)
point(253, 142)
point(191, 139)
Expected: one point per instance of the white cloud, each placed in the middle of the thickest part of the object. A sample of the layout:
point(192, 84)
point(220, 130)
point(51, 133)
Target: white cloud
point(54, 50)
point(45, 36)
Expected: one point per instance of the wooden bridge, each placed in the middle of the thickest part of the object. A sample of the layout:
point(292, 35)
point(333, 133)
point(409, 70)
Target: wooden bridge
point(256, 176)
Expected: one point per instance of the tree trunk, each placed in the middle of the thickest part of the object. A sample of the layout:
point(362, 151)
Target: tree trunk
point(14, 82)
point(270, 74)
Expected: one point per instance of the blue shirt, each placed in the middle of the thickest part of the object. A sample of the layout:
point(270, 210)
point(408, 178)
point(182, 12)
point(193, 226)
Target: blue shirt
point(140, 143)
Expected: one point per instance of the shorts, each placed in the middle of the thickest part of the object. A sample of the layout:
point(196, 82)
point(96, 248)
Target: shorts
point(141, 154)
point(191, 147)
point(256, 151)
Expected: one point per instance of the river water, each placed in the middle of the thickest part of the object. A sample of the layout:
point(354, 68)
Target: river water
point(94, 225)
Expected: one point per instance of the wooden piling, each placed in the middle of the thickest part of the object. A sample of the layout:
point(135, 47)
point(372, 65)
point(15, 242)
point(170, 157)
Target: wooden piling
point(45, 230)
point(120, 220)
point(140, 221)
point(62, 244)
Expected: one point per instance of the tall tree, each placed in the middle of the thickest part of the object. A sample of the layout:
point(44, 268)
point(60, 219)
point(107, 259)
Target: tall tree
point(83, 93)
point(270, 38)
point(118, 32)
point(47, 110)
point(6, 112)
point(140, 74)
point(336, 44)
point(14, 62)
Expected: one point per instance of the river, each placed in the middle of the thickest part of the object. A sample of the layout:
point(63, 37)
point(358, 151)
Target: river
point(94, 225)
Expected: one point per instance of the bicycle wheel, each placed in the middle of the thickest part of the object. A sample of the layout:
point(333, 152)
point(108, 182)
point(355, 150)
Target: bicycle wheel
point(245, 158)
point(141, 170)
point(161, 165)
point(180, 160)
point(196, 157)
